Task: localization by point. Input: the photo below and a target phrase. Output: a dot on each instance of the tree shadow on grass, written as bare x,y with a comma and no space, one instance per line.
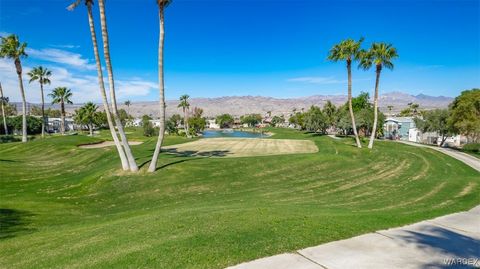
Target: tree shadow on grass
196,153
189,154
8,161
14,223
459,247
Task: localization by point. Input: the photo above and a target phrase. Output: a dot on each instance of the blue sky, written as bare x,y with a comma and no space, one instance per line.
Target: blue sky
233,47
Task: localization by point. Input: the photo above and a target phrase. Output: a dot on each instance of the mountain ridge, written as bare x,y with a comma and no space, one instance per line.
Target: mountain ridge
241,105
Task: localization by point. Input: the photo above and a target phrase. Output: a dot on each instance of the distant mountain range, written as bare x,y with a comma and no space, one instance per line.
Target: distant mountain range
240,105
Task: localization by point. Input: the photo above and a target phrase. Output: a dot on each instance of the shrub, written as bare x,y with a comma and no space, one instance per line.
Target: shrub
473,147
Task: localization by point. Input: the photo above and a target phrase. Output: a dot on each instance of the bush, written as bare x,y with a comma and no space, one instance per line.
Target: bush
34,125
472,147
8,138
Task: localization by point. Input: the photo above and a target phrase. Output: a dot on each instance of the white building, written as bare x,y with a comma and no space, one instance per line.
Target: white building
137,122
53,124
211,124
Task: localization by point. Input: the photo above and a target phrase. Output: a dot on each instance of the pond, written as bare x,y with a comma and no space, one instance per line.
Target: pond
231,133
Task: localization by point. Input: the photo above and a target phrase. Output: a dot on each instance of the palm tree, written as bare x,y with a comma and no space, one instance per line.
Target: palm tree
111,84
380,55
87,115
12,48
390,107
106,107
42,76
3,101
61,95
162,4
348,50
185,105
128,103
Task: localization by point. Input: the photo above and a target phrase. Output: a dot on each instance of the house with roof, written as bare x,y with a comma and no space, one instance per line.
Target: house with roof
398,128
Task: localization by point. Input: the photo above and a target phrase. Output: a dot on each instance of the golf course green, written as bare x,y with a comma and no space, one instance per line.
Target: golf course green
62,206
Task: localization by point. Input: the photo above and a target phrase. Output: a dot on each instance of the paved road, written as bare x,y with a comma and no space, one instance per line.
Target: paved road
451,241
467,159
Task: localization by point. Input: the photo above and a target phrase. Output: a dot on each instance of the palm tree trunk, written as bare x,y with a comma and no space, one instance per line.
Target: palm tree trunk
43,111
3,111
161,133
62,123
18,66
111,126
350,107
106,52
375,108
90,129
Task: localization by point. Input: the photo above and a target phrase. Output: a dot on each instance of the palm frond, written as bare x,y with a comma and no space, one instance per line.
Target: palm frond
72,6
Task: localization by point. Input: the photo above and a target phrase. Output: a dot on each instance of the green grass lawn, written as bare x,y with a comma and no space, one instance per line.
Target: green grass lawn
66,207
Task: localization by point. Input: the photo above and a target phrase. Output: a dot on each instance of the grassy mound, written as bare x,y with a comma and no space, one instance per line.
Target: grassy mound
66,207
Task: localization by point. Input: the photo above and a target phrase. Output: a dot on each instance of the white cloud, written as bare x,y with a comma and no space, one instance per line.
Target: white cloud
4,34
84,86
62,57
66,46
317,80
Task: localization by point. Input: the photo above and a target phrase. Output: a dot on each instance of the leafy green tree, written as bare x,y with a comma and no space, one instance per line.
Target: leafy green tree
315,120
435,121
34,124
411,110
87,115
465,114
298,120
330,113
225,120
362,101
11,48
124,116
197,122
53,113
42,75
61,95
381,55
348,50
100,119
111,126
162,4
251,119
148,129
277,120
171,126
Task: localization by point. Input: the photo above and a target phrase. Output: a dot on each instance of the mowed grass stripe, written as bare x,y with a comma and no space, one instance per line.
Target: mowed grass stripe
200,212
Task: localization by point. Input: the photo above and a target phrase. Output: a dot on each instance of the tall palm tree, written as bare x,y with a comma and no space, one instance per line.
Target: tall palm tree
162,4
12,48
106,107
61,95
185,105
381,55
41,75
3,101
111,84
128,103
348,50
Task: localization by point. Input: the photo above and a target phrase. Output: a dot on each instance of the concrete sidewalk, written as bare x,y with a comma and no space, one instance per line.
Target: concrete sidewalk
451,241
